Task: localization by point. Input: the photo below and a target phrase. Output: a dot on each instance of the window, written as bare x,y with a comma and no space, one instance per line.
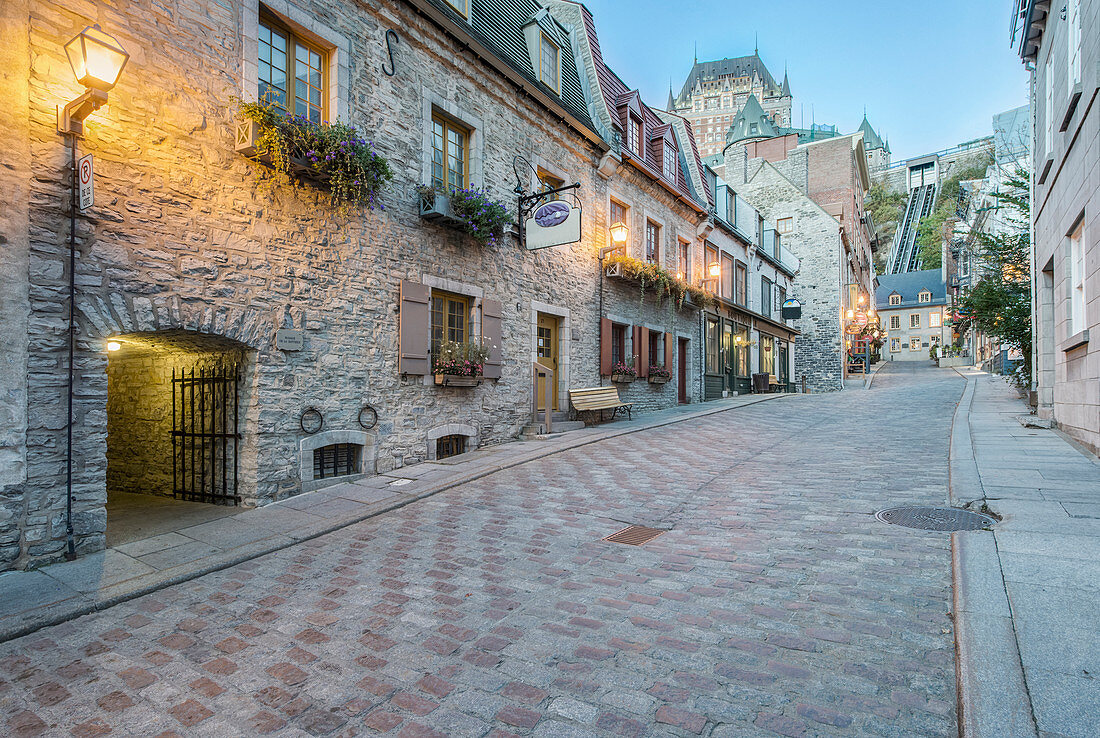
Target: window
731,207
1073,29
634,135
618,343
741,285
712,345
548,181
767,354
684,267
548,63
895,322
462,6
781,299
914,343
448,446
712,103
1049,109
895,344
450,319
914,320
765,297
670,162
935,340
935,319
727,276
652,242
618,213
336,460
1077,280
741,351
286,58
924,296
784,225
450,154
656,349
754,128
895,299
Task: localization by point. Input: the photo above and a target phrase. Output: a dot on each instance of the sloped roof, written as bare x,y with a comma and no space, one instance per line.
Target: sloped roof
785,88
871,140
741,66
741,128
909,285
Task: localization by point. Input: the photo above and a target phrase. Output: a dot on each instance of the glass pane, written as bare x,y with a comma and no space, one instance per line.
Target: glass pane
301,53
300,88
278,57
315,77
315,60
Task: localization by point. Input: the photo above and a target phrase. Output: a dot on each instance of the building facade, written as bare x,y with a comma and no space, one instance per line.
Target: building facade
913,309
1063,49
266,341
715,92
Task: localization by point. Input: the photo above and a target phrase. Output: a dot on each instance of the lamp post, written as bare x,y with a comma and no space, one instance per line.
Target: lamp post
97,60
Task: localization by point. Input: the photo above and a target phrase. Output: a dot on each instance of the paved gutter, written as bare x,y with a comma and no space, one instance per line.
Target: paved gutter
406,485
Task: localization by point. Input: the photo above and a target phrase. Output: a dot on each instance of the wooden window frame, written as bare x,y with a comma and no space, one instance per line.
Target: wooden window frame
555,84
618,341
669,162
741,269
656,348
462,7
935,320
448,123
895,299
924,296
445,315
684,259
789,221
635,135
293,40
653,228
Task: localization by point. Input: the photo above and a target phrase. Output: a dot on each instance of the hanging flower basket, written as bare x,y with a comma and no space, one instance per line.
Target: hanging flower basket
470,210
659,374
457,380
623,373
459,364
330,156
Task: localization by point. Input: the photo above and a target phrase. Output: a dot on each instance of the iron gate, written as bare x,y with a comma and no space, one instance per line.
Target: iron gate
205,438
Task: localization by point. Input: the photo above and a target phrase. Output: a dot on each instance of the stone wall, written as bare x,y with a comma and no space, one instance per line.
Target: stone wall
188,235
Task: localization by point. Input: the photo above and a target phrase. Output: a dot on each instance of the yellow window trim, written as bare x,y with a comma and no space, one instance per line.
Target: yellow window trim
461,6
447,298
294,37
448,122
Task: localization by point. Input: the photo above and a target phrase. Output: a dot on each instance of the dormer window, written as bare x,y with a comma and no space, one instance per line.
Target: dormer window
462,6
549,70
924,296
634,135
895,299
670,162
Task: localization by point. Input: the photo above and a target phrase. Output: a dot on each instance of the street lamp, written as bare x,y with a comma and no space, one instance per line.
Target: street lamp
97,59
619,232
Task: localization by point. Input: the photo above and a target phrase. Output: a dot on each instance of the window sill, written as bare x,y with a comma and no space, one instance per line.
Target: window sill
1075,341
1074,98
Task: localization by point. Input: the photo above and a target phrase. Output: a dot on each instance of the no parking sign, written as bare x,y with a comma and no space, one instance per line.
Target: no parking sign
84,176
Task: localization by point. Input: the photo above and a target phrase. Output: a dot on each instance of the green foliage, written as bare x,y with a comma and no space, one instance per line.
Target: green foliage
356,172
484,217
885,207
1000,303
460,359
660,280
938,226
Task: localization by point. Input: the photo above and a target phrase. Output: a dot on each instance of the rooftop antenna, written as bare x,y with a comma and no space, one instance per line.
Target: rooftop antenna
696,52
756,43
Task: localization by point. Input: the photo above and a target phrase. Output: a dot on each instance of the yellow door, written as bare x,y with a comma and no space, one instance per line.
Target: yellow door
546,351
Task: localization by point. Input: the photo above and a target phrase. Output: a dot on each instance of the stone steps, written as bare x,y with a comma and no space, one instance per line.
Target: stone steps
535,430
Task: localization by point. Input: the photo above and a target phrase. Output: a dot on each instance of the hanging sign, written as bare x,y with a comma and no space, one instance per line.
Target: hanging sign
792,309
861,318
552,224
85,185
851,329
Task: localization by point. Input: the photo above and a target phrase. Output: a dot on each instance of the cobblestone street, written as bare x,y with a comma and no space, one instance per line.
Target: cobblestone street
774,605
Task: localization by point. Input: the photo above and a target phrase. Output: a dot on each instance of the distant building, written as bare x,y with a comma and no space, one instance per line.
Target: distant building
1061,45
878,150
715,92
912,307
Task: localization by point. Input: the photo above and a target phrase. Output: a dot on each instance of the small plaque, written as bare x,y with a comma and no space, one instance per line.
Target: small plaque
289,340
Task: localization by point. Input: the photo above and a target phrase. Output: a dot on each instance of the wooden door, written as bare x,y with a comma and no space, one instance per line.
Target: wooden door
546,353
682,372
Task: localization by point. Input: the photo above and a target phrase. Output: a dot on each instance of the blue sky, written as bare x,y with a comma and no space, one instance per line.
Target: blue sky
931,74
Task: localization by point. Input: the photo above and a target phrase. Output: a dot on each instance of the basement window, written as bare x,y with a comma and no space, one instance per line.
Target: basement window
448,446
336,460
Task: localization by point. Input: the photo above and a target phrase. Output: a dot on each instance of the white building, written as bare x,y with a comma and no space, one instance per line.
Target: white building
912,307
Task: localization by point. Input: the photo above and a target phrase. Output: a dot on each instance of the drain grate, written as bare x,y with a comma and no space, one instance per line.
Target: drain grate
935,518
635,535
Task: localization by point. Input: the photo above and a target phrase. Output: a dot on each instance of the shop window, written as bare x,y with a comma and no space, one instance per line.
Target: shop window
291,71
712,346
448,446
336,460
767,355
450,154
914,343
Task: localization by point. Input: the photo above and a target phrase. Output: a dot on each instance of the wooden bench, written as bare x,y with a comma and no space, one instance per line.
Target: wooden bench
856,366
598,398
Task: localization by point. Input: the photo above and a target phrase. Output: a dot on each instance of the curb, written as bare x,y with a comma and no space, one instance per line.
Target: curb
243,554
871,377
992,699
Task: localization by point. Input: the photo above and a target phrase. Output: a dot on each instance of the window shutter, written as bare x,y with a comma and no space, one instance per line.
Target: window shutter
641,349
491,315
670,349
605,347
414,326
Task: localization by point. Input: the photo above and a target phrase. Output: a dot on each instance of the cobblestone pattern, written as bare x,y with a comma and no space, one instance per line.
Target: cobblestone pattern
775,604
185,235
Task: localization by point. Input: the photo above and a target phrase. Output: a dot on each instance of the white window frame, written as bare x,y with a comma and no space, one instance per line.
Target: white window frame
1073,43
895,322
1077,296
1048,110
935,319
914,343
914,320
895,299
895,345
924,296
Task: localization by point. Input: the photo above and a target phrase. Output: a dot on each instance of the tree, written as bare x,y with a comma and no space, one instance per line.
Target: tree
937,227
1000,303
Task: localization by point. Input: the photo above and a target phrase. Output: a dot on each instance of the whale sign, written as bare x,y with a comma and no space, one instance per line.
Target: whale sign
552,224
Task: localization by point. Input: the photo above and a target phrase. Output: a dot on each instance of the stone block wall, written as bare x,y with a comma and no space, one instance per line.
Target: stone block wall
188,235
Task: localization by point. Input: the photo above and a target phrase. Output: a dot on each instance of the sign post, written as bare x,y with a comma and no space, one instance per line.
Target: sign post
85,182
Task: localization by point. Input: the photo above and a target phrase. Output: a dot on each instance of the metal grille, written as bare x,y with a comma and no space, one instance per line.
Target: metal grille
336,460
635,535
448,446
205,434
935,518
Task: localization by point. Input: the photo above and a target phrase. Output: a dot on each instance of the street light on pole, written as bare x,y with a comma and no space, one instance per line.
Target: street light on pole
97,59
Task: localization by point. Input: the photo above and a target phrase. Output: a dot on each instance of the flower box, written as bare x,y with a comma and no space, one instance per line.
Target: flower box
658,380
438,207
247,135
457,380
614,269
622,378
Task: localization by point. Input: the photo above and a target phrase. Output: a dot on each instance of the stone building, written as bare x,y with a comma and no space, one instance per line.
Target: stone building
268,342
715,92
912,307
877,149
1063,51
814,194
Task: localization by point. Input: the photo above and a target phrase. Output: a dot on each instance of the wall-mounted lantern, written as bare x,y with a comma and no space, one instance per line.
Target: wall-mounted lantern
619,232
97,59
113,345
714,269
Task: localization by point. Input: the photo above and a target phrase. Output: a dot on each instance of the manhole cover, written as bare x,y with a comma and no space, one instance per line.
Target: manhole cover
935,518
635,535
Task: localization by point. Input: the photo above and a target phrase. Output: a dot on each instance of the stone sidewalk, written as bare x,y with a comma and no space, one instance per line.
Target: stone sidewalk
30,600
1027,593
